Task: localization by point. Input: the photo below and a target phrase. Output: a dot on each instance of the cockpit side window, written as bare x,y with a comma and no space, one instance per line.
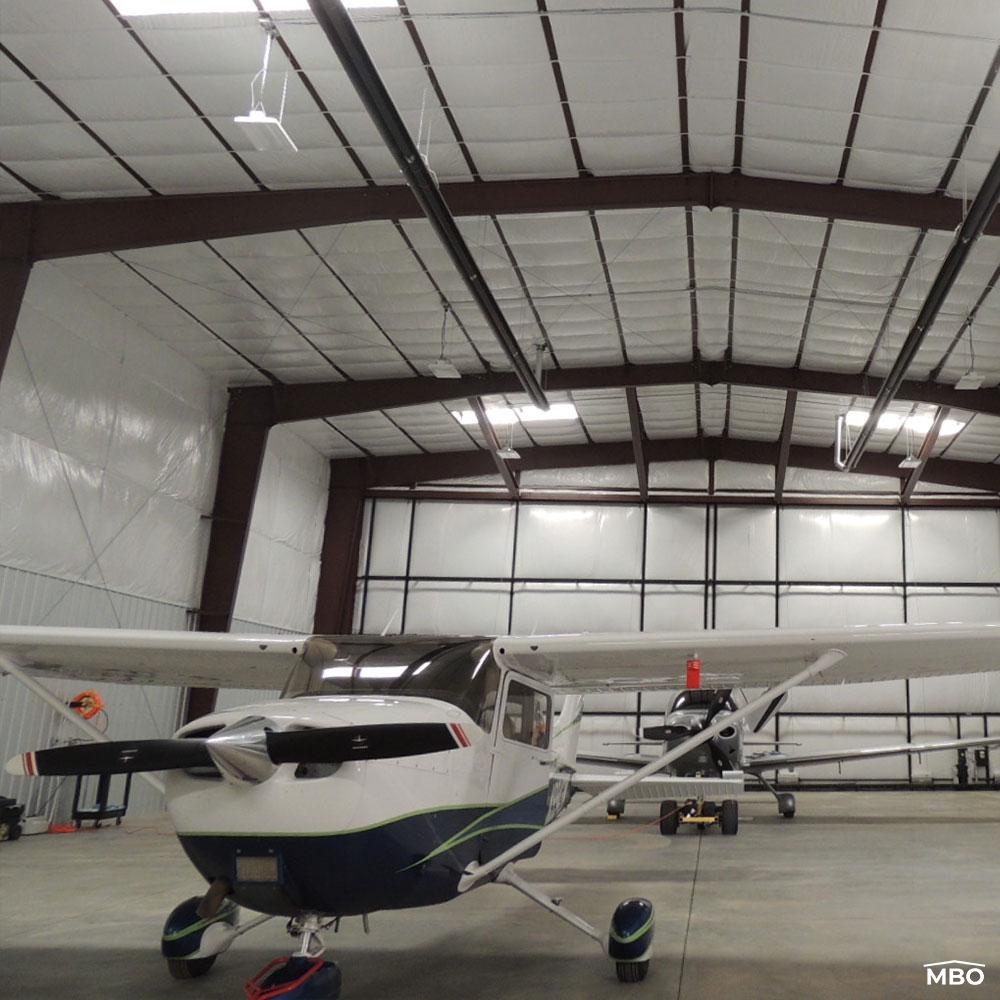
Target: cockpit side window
527,715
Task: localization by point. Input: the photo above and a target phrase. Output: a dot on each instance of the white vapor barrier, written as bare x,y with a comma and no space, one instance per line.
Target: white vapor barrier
383,607
575,607
390,537
599,478
281,564
675,543
456,539
745,543
438,607
815,607
850,545
133,710
953,545
749,606
674,607
576,541
691,475
580,568
108,448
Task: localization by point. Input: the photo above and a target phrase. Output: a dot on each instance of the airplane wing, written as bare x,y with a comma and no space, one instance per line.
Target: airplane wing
191,659
751,658
764,762
658,787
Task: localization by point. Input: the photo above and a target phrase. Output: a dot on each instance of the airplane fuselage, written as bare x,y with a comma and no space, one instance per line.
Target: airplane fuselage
364,835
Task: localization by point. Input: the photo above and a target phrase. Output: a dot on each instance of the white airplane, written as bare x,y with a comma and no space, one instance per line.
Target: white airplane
404,772
720,767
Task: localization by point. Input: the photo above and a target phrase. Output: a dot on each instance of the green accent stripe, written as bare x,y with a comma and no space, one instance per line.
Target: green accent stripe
471,835
198,925
633,937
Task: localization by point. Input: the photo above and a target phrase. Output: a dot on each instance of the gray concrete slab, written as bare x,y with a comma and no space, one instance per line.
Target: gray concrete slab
847,900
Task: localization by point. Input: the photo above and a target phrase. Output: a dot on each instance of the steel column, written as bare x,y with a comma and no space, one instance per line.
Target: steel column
240,461
338,567
15,269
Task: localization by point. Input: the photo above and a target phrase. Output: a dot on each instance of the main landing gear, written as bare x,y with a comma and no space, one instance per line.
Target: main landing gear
786,801
200,929
701,814
629,941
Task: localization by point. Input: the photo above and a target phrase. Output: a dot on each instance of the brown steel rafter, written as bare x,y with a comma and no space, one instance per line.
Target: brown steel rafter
407,470
315,400
67,228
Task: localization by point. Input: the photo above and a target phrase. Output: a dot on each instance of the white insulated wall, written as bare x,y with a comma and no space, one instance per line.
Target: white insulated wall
108,454
494,566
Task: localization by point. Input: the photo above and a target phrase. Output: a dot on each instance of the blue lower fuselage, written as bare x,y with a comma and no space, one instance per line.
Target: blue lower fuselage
414,860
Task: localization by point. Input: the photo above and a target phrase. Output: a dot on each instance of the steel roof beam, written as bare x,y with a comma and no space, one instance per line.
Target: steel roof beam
493,445
923,456
406,470
785,443
343,37
77,226
313,400
638,440
980,212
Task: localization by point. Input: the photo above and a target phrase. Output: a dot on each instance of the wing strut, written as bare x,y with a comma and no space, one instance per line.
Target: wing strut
474,873
7,665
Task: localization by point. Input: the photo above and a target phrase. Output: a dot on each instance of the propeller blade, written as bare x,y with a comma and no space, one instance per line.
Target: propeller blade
332,746
117,757
718,704
663,733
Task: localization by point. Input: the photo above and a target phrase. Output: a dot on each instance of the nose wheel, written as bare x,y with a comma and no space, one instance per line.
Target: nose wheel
302,976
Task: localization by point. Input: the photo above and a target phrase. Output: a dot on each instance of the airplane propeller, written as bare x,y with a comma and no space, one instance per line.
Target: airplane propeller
332,745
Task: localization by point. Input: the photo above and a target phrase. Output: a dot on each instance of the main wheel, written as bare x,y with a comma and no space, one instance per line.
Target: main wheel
190,968
631,972
786,805
670,817
729,821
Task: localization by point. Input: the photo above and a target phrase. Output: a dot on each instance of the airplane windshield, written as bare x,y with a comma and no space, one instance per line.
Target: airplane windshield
462,673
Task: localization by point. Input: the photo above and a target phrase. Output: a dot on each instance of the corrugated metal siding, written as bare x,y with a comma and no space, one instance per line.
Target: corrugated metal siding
133,711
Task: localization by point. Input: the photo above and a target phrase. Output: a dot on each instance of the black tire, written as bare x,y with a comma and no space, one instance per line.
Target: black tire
14,833
670,817
631,972
786,805
616,808
190,968
710,809
729,820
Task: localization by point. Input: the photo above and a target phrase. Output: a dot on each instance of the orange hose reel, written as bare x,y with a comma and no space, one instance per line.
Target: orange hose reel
88,704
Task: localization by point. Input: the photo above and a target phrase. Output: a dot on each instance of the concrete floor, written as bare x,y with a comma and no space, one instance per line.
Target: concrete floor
847,900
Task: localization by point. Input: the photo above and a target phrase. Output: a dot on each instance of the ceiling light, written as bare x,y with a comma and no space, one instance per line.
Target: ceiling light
919,423
140,8
502,415
443,368
266,133
970,380
910,462
508,454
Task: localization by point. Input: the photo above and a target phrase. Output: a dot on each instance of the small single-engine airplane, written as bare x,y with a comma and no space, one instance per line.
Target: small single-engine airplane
721,766
403,772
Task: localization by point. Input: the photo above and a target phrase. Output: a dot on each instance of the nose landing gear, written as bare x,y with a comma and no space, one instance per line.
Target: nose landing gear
304,975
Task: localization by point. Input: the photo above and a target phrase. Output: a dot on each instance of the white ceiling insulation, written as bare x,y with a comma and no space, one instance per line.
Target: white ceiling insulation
98,105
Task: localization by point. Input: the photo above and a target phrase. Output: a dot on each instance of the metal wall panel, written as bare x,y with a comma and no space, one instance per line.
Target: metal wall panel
25,723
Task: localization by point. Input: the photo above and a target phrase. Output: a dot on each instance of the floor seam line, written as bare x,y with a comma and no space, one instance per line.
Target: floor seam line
687,929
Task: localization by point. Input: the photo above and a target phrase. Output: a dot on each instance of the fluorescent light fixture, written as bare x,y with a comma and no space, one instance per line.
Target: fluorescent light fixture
503,415
443,368
266,133
919,423
508,454
141,8
970,380
910,462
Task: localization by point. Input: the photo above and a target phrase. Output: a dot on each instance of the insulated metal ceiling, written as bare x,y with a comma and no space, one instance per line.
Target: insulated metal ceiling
867,93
